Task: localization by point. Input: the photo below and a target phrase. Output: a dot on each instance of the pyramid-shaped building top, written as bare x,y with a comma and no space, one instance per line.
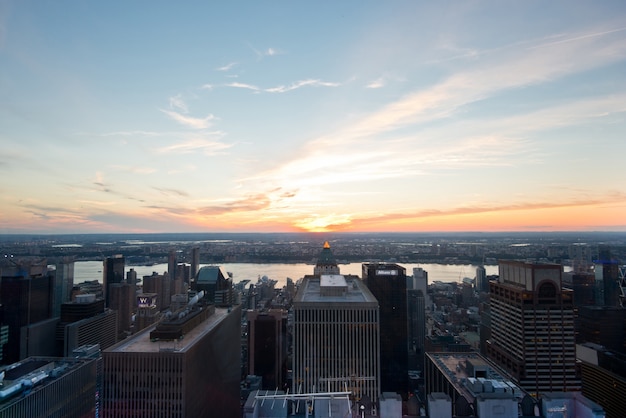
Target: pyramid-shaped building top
326,262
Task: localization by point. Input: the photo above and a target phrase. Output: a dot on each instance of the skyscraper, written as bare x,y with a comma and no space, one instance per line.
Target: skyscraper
267,347
187,366
27,296
171,264
532,327
607,278
195,261
387,282
482,283
63,283
336,336
217,288
112,273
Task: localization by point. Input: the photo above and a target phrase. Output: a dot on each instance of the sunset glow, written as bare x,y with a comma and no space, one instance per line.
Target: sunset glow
120,117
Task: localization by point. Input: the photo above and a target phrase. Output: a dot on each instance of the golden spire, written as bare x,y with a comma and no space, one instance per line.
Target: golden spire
326,244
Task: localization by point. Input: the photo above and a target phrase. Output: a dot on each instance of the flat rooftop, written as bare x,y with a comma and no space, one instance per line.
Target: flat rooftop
141,343
310,290
447,363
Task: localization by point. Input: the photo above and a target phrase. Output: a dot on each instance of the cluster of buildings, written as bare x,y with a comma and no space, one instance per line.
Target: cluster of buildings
191,343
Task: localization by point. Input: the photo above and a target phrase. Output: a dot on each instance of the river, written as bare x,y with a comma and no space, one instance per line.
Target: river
92,270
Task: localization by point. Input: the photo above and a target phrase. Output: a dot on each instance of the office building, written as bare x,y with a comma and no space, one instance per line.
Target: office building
49,387
416,306
122,299
603,375
195,262
475,387
532,327
147,312
27,298
336,337
85,321
63,283
185,366
387,282
171,264
602,325
159,284
113,272
267,347
217,288
606,268
482,283
100,329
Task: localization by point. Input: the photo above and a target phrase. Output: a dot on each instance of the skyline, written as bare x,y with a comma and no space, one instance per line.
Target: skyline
287,117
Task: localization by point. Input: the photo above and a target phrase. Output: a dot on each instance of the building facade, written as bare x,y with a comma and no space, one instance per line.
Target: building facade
532,327
336,337
388,284
267,347
56,388
188,366
113,272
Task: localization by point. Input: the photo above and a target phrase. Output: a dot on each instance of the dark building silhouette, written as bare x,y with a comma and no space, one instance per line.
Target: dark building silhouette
267,347
387,282
607,291
171,264
113,272
195,262
482,282
122,300
63,283
217,288
603,374
416,306
532,327
602,325
27,296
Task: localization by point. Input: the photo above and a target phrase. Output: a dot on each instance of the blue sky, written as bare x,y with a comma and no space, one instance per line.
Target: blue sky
285,116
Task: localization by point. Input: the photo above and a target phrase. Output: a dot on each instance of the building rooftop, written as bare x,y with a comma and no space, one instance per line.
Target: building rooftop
34,372
472,375
310,290
141,343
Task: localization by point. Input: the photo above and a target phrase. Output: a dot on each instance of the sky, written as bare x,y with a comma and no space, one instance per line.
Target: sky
276,116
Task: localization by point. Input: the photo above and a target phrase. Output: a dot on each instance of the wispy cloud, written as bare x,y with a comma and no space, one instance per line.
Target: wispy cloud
243,86
227,67
177,103
188,121
135,133
300,84
206,146
376,84
268,52
285,88
400,139
171,192
374,221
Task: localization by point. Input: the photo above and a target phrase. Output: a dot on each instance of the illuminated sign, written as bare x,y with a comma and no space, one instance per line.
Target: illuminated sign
146,301
386,272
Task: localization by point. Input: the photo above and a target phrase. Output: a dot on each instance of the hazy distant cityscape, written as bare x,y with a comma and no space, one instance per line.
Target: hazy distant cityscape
335,325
